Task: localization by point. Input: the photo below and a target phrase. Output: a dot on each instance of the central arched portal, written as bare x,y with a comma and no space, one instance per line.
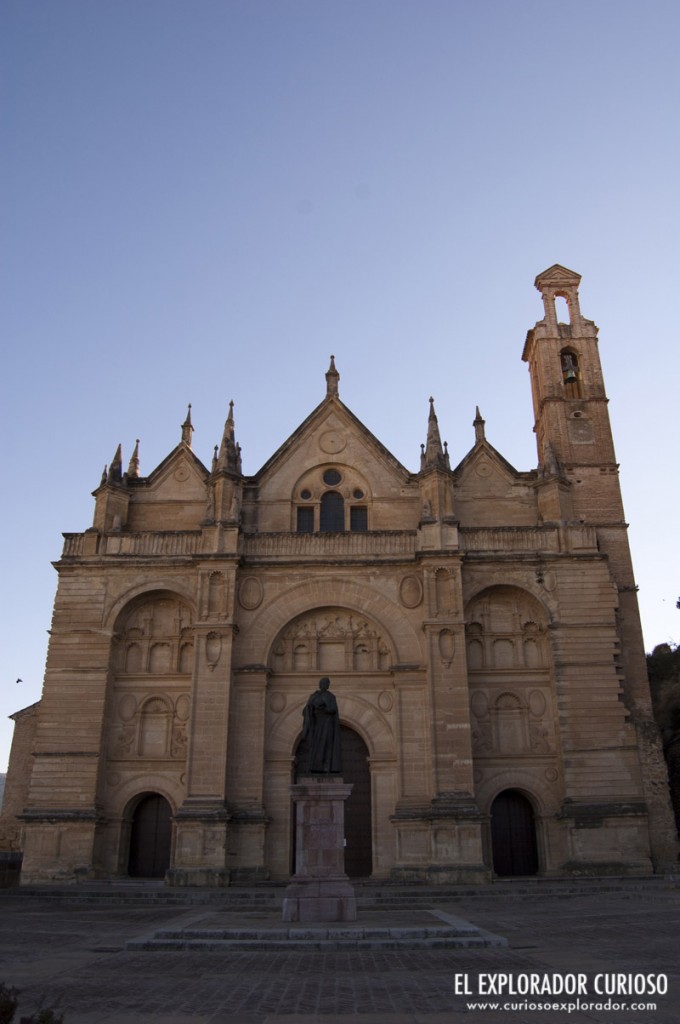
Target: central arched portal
358,816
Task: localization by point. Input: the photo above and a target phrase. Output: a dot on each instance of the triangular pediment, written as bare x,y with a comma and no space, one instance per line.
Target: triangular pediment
557,276
486,464
332,435
180,476
489,491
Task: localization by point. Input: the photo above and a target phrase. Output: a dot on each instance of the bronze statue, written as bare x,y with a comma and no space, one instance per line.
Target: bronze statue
321,731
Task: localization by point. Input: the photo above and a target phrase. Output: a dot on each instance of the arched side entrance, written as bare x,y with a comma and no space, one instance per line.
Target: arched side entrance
150,837
358,815
513,835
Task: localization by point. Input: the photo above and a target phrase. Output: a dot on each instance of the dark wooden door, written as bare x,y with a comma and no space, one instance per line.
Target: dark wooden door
513,835
358,815
358,830
150,838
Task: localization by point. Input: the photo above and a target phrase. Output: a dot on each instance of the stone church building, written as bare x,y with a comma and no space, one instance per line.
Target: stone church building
479,625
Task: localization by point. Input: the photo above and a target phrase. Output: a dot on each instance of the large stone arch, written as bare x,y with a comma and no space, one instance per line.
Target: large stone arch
147,589
335,592
283,730
521,586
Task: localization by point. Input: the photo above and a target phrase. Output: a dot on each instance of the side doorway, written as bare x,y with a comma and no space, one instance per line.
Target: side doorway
513,835
150,837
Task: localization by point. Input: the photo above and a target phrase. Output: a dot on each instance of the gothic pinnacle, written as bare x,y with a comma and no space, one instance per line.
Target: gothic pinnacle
187,429
434,452
229,457
115,474
133,468
478,424
332,378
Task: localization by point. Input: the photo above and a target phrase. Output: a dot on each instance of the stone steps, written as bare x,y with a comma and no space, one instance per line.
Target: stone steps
345,937
369,895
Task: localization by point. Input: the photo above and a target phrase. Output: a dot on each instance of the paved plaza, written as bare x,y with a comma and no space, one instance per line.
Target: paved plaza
72,952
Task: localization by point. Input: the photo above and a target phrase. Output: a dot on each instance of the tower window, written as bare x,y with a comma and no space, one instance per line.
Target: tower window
332,518
305,520
358,519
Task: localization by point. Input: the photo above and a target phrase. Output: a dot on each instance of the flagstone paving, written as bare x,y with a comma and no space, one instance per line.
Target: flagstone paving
74,956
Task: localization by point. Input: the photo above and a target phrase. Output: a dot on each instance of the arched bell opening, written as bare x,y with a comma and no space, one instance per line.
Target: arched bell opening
571,373
358,808
513,835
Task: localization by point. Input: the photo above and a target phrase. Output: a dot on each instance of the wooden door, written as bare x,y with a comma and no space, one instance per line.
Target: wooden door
358,828
513,835
150,838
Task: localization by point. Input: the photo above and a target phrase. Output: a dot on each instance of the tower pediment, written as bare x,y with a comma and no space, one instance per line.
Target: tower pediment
557,276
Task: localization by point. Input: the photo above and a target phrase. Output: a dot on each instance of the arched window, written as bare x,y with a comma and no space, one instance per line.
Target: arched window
332,518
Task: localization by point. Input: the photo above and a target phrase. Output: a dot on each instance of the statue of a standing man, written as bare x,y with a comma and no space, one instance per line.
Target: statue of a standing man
321,731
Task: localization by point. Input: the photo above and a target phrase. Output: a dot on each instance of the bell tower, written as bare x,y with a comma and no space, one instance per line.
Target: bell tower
576,455
570,404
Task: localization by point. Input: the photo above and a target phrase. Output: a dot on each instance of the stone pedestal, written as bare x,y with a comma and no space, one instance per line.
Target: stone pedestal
319,890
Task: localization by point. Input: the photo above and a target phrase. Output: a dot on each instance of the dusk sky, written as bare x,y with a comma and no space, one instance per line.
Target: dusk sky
201,200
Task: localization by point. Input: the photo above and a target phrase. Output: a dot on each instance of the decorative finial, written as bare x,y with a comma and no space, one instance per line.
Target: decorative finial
229,457
332,378
133,468
187,428
478,424
434,452
116,468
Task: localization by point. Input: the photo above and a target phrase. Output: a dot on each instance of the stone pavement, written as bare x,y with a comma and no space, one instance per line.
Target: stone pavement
71,952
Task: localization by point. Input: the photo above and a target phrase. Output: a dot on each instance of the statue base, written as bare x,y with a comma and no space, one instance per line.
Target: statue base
319,890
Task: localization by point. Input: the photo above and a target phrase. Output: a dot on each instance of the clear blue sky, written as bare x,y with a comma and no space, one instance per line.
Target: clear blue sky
201,200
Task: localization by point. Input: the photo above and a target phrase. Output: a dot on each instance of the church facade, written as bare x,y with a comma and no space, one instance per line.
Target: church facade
479,626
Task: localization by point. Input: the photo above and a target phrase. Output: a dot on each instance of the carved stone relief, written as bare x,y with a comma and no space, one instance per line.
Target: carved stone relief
154,638
330,640
506,723
150,727
506,630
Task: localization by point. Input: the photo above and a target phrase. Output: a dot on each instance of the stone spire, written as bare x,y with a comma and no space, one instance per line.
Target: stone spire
434,452
229,457
115,474
478,424
332,378
133,468
187,429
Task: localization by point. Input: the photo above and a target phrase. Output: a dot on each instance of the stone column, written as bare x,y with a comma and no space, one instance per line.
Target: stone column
319,890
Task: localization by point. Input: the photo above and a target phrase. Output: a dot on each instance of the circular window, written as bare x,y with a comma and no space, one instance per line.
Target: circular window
357,493
305,495
332,477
